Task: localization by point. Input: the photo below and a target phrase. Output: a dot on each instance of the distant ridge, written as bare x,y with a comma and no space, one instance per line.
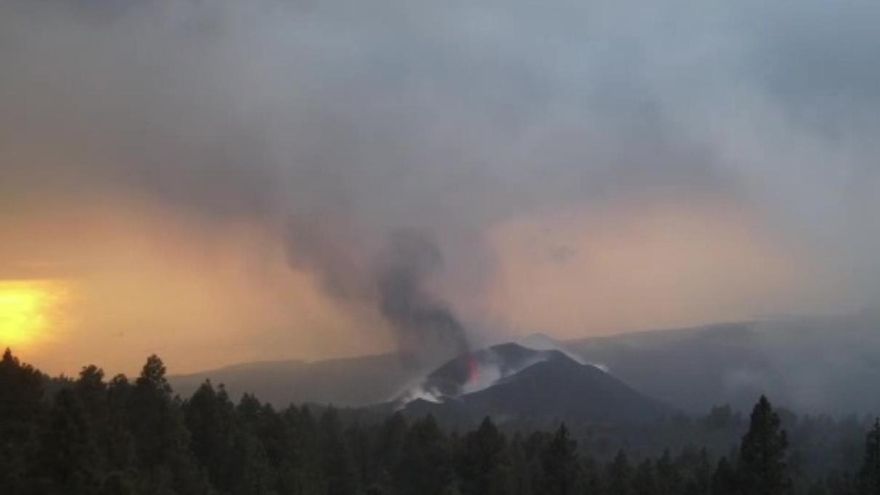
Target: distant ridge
807,364
352,381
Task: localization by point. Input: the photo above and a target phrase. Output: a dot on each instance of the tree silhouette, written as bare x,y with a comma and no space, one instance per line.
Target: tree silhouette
762,466
724,479
620,475
68,461
21,408
160,435
337,463
210,419
483,463
559,461
869,475
91,437
426,464
644,481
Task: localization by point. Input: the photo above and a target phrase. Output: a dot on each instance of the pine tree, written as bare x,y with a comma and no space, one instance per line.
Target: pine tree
160,435
120,447
426,463
210,419
559,462
869,475
724,479
302,472
700,481
592,477
520,467
337,464
21,408
274,435
762,466
91,392
250,469
483,463
68,460
644,482
669,479
391,440
619,475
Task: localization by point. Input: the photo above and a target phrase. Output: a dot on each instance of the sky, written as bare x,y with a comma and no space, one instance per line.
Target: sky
221,182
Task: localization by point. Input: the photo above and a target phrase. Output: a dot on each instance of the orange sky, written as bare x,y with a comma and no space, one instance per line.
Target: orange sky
214,181
141,279
646,266
123,282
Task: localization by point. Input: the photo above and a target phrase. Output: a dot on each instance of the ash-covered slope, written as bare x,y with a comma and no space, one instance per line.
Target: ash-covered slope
543,386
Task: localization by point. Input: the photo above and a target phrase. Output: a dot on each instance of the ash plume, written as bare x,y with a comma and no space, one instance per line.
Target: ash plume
637,177
422,324
395,282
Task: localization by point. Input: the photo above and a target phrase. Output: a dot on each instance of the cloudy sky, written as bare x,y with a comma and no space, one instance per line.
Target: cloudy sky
217,181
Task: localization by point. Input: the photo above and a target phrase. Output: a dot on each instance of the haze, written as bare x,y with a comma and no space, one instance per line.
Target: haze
217,182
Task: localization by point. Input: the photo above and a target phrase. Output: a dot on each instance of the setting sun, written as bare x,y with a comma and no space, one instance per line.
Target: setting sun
25,309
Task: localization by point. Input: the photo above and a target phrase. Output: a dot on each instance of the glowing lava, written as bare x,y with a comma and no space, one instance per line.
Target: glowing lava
473,370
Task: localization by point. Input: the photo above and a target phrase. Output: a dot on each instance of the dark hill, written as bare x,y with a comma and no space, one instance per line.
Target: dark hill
556,388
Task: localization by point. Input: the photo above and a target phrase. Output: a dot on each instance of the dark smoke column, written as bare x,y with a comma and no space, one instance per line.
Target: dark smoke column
424,327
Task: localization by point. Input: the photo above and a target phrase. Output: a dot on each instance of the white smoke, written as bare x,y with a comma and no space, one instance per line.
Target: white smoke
543,342
486,368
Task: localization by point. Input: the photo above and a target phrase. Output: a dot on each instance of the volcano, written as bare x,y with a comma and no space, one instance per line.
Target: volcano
515,383
474,371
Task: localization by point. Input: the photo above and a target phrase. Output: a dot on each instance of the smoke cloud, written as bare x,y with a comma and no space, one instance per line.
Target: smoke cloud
395,281
424,327
581,168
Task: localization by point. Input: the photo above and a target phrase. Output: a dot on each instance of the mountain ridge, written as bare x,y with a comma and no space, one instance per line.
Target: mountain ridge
802,362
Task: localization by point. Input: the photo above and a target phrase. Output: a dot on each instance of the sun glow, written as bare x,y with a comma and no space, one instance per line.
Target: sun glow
25,311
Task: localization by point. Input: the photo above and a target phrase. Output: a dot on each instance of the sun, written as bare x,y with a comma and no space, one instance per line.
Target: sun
25,311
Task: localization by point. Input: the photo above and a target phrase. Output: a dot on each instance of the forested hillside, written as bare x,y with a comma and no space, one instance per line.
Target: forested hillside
94,436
